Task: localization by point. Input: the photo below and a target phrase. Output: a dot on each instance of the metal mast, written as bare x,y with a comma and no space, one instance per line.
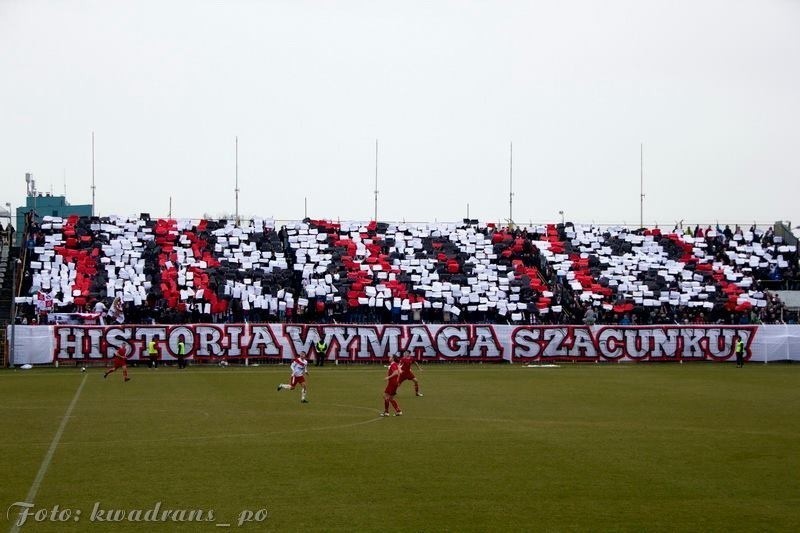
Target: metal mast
511,185
93,186
236,189
376,181
641,185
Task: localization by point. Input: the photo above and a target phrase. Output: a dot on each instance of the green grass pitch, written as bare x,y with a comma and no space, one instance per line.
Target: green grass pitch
699,447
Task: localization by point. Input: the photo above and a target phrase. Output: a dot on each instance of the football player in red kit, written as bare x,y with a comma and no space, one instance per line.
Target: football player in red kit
120,361
393,380
405,371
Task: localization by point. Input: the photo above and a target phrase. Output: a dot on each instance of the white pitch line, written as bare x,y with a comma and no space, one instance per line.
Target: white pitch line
48,457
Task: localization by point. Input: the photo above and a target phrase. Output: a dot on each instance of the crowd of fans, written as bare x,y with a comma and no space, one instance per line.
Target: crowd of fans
319,271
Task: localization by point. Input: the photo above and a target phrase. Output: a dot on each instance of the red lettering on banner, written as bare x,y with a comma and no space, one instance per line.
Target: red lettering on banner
453,341
525,343
303,338
344,339
176,334
149,334
636,343
420,342
485,344
377,342
262,342
611,343
583,344
665,343
555,338
209,339
116,337
234,334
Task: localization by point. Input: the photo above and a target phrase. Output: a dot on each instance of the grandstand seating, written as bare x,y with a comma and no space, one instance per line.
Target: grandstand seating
179,270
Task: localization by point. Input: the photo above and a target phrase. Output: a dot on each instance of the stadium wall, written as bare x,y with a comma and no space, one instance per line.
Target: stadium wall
368,343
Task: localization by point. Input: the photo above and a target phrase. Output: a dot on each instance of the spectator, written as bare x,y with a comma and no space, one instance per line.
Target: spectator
589,317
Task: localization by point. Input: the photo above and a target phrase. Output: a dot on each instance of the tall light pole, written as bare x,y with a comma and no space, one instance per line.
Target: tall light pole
16,264
641,185
511,185
93,187
376,181
236,190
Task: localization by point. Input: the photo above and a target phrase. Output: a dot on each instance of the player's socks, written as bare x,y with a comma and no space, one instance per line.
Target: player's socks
416,388
385,406
394,404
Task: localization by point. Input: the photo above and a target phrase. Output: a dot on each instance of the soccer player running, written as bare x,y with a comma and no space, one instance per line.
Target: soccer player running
405,371
299,370
120,361
393,379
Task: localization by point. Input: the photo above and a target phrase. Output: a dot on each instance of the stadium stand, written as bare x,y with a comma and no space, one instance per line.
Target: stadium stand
176,271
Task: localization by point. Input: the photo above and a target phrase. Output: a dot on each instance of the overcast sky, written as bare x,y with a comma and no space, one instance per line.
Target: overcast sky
712,89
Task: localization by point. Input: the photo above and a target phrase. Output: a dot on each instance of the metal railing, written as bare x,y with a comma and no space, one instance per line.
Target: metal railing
19,271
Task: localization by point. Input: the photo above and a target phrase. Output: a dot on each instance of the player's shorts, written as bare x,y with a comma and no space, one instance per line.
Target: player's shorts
119,362
391,389
297,380
407,376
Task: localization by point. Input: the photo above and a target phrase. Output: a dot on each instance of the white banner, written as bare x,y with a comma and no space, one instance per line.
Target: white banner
459,342
74,318
32,345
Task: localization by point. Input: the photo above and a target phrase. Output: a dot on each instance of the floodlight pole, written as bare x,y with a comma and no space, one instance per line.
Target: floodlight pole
511,185
33,193
641,185
93,186
376,181
236,189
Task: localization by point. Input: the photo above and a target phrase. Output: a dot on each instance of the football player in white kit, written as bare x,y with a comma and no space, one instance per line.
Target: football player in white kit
299,371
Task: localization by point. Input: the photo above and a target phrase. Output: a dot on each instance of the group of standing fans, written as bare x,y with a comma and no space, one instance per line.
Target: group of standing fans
512,250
